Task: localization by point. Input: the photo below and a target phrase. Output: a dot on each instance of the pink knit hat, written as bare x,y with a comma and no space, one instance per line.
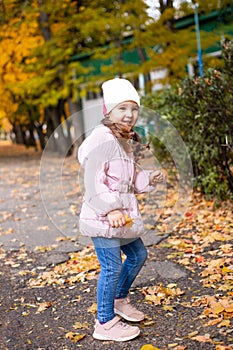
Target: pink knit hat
118,90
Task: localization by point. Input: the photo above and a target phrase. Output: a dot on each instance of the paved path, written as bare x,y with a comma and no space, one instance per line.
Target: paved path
39,203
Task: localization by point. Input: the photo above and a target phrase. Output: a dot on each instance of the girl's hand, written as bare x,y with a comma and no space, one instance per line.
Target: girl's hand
116,218
155,177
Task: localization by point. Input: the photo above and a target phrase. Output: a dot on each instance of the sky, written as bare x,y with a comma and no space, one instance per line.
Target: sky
153,12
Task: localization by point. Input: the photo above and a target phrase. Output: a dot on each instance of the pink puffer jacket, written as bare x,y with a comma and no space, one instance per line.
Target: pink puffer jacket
111,180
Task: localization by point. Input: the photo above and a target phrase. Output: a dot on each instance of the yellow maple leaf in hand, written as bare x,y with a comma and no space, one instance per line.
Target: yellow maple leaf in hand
128,221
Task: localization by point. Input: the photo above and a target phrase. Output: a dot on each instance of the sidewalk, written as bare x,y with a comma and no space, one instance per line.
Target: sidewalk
35,236
39,204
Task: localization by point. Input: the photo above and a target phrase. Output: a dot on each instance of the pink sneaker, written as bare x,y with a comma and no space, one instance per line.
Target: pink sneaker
115,330
123,308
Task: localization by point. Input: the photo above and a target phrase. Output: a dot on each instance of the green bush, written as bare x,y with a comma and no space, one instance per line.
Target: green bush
201,109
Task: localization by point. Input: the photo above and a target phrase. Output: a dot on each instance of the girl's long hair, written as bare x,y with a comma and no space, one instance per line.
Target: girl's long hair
124,134
120,130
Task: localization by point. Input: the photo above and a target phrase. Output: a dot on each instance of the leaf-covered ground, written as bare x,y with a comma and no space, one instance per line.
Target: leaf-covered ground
50,307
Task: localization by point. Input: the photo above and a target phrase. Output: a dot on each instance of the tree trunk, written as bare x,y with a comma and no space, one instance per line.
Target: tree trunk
50,141
76,113
19,134
57,141
167,5
41,135
163,5
44,23
30,140
147,79
3,11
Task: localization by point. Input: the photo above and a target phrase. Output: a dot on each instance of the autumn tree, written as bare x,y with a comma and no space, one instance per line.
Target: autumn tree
155,40
17,42
57,85
46,45
112,30
67,29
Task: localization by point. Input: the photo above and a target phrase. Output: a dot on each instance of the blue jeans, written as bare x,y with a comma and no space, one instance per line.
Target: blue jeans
115,278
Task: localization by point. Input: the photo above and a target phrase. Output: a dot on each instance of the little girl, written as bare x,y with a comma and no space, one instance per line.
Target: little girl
110,214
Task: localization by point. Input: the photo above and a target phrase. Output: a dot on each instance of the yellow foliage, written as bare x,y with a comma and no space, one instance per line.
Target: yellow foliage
18,40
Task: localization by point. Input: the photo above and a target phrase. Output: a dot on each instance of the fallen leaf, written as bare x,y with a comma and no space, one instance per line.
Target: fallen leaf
160,295
80,325
43,249
74,337
148,347
92,308
202,338
217,309
61,239
43,228
190,335
172,345
224,323
168,307
213,322
43,306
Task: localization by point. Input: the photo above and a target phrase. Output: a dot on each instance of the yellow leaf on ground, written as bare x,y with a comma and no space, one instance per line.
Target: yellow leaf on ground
168,307
79,325
43,249
229,308
224,323
172,345
92,308
190,335
69,335
74,337
149,347
226,270
217,308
